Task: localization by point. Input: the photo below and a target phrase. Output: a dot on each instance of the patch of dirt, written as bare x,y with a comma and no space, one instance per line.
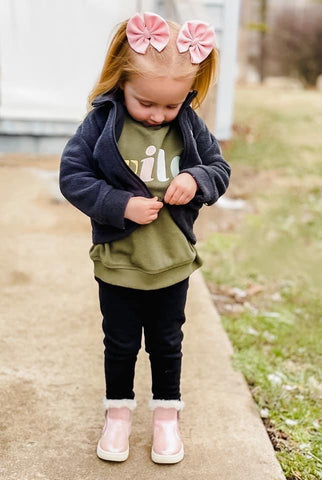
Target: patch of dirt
233,301
280,440
246,183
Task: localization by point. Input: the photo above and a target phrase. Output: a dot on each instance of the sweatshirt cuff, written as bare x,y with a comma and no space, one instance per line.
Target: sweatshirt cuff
114,207
202,179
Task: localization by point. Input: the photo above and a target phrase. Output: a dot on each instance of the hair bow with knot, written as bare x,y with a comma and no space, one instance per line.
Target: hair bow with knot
145,29
197,37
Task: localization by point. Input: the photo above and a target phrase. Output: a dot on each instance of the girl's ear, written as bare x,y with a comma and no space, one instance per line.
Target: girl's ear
122,84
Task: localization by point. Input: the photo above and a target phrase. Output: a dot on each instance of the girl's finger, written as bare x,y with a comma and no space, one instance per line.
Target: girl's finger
174,196
156,206
151,218
177,195
182,199
168,194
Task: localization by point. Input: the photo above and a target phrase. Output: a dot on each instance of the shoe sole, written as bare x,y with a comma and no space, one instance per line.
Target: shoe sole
158,458
112,456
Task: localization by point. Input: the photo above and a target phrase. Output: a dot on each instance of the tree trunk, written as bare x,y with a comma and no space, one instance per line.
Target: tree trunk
262,39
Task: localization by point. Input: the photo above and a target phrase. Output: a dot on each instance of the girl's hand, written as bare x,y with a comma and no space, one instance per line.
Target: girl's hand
142,210
181,190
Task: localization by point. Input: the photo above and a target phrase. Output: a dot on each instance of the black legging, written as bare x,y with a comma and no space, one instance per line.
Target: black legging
160,313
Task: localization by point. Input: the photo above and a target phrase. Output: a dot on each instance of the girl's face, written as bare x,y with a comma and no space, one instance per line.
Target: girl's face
153,101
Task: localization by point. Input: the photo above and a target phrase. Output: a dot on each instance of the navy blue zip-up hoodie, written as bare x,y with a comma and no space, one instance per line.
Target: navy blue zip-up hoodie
96,180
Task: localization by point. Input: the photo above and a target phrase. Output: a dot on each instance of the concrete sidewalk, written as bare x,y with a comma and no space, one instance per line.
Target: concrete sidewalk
51,370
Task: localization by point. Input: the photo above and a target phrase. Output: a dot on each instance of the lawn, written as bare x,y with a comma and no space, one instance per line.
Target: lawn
264,266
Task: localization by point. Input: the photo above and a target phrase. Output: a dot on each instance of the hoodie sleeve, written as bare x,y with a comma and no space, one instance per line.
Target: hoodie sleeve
213,173
79,179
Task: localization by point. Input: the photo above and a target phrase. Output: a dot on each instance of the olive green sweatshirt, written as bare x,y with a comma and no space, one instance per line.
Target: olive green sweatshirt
158,254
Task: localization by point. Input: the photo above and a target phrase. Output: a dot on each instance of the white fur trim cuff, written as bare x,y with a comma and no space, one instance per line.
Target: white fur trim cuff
124,402
177,404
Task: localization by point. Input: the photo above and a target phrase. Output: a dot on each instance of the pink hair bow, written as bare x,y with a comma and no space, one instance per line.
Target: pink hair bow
147,28
197,37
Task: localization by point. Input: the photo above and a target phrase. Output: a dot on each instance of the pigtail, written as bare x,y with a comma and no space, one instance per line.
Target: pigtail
207,76
113,71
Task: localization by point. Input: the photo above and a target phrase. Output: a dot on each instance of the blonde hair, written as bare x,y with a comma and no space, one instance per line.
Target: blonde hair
121,62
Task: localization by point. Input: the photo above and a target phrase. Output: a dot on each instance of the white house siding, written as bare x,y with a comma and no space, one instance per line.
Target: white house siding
224,15
228,40
51,53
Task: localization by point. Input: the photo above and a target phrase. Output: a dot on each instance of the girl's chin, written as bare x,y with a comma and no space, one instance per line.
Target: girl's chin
147,124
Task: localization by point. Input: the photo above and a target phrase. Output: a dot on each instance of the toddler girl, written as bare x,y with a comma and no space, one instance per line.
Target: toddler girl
141,165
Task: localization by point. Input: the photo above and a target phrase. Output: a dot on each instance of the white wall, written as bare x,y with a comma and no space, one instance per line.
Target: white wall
224,15
51,54
228,42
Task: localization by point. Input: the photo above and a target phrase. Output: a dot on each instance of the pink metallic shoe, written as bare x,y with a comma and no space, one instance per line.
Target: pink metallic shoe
114,442
167,445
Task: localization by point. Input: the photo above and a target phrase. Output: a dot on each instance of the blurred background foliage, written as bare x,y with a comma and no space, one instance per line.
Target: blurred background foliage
283,38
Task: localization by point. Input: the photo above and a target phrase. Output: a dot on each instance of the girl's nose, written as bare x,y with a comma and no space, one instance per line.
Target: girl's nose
157,116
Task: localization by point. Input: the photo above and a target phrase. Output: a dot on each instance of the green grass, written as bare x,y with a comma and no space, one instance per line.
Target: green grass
280,130
277,332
